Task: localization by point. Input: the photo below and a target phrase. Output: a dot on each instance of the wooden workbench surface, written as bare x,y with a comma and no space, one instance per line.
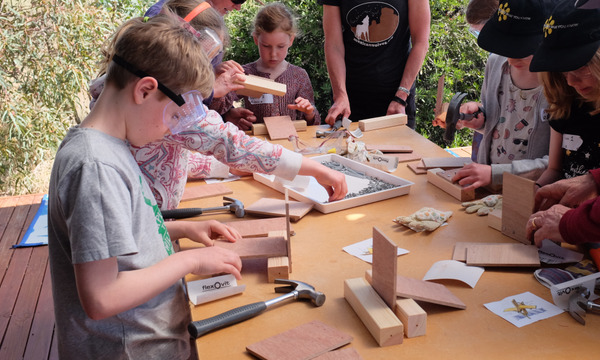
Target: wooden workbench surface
319,260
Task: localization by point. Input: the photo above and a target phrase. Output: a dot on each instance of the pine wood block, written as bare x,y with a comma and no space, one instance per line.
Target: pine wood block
382,122
276,207
390,148
303,342
279,127
340,354
261,129
258,227
502,255
260,85
495,219
282,266
202,191
453,189
413,317
518,201
385,264
377,317
252,248
431,292
417,167
445,162
278,268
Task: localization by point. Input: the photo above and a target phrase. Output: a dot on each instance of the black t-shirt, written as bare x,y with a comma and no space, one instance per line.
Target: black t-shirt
581,141
376,41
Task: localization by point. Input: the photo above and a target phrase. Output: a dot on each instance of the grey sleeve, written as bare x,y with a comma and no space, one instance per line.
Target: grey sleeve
528,168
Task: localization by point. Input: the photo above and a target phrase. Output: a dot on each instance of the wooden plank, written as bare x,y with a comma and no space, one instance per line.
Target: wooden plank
377,317
495,219
382,122
261,85
385,263
417,167
42,328
427,291
404,157
280,127
341,354
252,248
261,129
502,255
201,191
453,189
258,227
413,317
460,250
518,201
276,207
303,342
390,148
445,162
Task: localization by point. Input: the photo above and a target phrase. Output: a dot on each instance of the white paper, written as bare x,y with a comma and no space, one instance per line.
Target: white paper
218,287
561,292
455,270
230,177
364,250
543,309
552,253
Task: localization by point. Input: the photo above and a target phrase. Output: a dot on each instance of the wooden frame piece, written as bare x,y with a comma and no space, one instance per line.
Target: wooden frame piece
257,85
280,127
502,255
252,248
377,317
453,189
427,291
445,162
261,129
202,191
258,227
417,167
385,267
382,122
340,354
413,317
390,148
276,207
495,219
518,201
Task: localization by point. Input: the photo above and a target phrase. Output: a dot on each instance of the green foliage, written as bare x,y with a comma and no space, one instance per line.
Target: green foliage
48,53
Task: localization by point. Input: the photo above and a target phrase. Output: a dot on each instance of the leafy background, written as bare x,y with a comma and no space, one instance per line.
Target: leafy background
49,51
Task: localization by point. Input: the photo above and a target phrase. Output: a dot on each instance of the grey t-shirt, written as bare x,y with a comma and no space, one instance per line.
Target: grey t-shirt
100,207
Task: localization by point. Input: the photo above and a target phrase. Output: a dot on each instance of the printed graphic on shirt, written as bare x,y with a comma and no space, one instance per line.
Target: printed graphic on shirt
162,228
373,23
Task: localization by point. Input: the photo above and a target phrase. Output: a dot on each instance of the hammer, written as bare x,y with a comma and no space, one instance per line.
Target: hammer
579,304
453,115
231,204
295,290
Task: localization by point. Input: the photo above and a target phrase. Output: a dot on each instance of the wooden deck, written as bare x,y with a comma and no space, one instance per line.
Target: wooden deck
26,306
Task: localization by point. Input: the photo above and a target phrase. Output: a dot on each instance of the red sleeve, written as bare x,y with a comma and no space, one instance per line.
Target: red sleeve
582,224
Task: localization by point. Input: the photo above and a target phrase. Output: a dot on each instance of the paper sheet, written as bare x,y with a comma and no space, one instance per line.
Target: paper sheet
364,250
455,270
506,309
552,253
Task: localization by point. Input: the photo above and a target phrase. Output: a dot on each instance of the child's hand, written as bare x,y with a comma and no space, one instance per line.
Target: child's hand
333,181
302,104
470,108
475,175
240,117
205,232
229,65
214,260
227,82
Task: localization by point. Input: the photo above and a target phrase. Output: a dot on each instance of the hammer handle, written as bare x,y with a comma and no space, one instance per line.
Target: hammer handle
234,316
181,213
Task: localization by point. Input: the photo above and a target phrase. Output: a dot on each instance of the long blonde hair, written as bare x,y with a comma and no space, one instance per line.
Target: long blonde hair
275,16
561,96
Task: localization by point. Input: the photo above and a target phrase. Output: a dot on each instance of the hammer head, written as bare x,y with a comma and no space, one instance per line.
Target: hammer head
577,300
235,206
303,290
452,116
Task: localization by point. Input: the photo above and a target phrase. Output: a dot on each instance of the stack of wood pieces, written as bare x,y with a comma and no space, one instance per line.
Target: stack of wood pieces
496,254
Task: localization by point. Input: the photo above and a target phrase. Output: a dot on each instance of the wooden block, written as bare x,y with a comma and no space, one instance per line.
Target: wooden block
427,291
202,191
279,127
378,318
276,207
341,354
261,85
495,219
390,148
453,189
446,162
417,168
261,129
252,248
278,268
382,122
385,263
258,227
303,342
502,255
518,201
413,317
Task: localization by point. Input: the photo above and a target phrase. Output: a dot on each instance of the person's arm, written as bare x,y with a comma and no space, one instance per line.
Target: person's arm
333,181
203,232
553,172
569,192
582,224
419,19
336,66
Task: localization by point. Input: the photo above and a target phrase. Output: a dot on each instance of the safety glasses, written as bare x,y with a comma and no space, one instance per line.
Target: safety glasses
182,112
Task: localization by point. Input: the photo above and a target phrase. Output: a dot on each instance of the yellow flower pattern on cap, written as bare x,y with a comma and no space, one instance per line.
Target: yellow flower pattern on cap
548,26
503,11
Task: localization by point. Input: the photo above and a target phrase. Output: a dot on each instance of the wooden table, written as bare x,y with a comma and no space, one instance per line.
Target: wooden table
319,260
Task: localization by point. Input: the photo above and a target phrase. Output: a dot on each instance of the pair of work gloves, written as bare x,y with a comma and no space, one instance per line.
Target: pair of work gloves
425,219
483,206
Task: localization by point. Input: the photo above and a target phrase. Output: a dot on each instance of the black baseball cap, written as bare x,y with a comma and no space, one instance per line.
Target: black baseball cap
515,30
571,38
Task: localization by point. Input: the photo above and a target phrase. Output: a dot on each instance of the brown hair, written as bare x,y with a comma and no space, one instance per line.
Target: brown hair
209,18
561,96
274,16
479,11
163,49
